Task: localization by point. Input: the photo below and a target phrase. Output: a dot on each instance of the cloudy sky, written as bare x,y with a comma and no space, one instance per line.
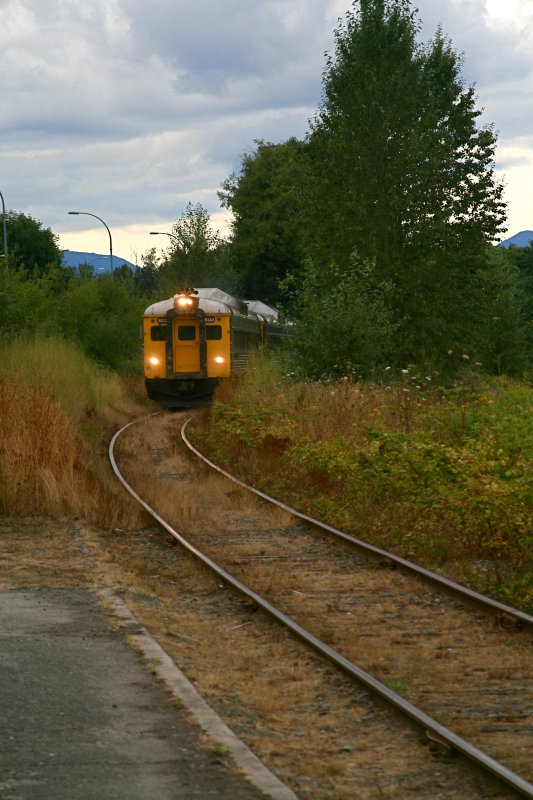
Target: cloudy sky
129,109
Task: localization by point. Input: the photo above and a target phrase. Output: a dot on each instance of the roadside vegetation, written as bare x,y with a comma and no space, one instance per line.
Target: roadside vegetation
56,413
441,476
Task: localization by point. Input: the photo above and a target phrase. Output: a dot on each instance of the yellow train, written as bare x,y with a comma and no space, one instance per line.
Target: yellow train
198,337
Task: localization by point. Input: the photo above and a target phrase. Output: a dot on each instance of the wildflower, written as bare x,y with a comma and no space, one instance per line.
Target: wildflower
387,369
465,357
405,372
428,377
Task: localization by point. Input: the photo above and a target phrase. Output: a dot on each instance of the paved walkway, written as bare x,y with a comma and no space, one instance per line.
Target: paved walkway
83,717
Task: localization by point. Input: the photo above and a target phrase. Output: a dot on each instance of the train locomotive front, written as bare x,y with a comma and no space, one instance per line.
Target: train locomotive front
195,339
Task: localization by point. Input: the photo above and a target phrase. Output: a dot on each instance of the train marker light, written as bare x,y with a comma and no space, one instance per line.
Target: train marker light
219,360
154,361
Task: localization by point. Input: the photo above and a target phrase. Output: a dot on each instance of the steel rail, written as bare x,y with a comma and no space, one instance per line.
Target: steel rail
432,729
521,619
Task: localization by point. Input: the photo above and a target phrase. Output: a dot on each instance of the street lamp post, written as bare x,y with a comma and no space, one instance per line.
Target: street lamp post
164,233
88,214
4,226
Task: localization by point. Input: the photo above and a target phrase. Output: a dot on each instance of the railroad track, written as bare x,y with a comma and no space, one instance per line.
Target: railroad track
406,641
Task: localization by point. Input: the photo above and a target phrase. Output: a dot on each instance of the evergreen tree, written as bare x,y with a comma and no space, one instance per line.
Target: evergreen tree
522,259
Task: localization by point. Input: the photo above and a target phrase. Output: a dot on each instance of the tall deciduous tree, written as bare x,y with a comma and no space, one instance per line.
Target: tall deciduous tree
31,245
265,196
401,172
398,159
191,258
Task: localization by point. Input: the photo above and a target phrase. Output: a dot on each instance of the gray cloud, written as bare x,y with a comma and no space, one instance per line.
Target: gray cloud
131,109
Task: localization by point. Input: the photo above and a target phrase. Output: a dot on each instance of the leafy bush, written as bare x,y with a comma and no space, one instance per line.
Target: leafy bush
344,323
103,315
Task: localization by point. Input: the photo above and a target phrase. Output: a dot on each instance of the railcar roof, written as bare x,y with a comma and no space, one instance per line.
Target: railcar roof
215,301
267,313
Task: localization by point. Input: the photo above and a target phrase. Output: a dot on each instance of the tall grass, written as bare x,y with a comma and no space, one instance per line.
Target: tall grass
51,398
77,384
441,475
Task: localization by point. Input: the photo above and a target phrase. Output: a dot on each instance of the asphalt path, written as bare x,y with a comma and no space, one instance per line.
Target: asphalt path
92,709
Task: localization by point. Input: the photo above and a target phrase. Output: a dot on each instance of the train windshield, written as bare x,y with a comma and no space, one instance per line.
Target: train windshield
186,333
213,333
158,333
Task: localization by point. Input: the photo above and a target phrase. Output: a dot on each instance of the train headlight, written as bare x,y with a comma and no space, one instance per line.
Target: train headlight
154,361
219,360
184,301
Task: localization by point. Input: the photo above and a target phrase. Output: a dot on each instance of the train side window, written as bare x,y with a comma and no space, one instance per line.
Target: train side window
158,333
213,332
186,333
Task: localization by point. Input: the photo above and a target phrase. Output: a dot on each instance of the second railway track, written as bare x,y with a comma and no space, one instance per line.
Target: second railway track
462,670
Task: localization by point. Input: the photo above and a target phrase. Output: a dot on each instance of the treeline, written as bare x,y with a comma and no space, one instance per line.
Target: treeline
41,297
375,233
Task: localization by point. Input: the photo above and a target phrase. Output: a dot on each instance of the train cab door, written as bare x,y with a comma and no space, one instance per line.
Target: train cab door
186,345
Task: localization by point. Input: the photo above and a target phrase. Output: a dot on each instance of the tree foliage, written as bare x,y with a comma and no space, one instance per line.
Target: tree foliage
522,259
398,166
196,254
101,314
265,198
345,326
397,173
30,244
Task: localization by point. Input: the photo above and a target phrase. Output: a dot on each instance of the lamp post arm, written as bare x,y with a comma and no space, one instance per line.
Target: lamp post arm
88,214
165,233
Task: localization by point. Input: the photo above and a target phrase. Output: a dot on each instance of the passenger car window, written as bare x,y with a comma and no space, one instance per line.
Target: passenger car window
158,333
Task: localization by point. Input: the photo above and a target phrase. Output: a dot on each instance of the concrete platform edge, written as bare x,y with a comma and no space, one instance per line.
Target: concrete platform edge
256,772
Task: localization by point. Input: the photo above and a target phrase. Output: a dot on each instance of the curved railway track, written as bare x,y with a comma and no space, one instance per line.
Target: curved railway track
246,555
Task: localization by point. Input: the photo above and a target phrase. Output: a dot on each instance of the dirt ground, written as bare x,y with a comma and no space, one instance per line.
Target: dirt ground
325,738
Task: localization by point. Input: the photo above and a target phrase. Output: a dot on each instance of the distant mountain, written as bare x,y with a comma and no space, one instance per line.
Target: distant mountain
521,239
100,263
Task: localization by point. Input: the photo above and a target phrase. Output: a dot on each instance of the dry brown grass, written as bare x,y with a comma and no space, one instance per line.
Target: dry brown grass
55,420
